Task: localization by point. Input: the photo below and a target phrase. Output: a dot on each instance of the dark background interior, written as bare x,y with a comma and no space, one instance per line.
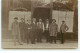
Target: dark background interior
42,13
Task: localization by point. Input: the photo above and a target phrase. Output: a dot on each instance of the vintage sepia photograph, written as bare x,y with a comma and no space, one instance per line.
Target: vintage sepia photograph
39,24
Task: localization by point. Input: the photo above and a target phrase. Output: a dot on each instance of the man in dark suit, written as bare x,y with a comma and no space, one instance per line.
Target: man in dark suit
22,29
40,30
47,30
27,31
33,30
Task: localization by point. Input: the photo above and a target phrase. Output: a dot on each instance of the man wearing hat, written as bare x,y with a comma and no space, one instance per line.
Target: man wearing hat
47,30
22,29
33,31
27,31
53,30
40,26
16,31
63,29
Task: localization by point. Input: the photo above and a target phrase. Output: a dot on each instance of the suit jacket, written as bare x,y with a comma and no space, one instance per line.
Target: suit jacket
33,27
40,25
47,26
63,28
22,26
27,27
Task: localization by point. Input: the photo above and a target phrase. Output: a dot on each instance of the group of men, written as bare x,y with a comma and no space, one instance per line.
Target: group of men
32,32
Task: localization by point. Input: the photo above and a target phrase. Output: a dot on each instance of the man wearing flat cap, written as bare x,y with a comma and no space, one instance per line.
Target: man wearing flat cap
47,30
63,29
40,26
22,29
27,31
33,31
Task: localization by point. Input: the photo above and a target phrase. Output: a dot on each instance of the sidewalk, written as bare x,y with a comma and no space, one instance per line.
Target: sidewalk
8,43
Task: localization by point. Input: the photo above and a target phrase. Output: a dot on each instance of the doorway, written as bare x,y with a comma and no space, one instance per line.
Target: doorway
42,13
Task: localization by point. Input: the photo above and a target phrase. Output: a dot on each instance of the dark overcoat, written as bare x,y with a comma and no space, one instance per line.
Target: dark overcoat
53,29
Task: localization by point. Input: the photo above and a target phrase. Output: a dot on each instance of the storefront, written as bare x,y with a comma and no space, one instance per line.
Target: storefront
38,9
